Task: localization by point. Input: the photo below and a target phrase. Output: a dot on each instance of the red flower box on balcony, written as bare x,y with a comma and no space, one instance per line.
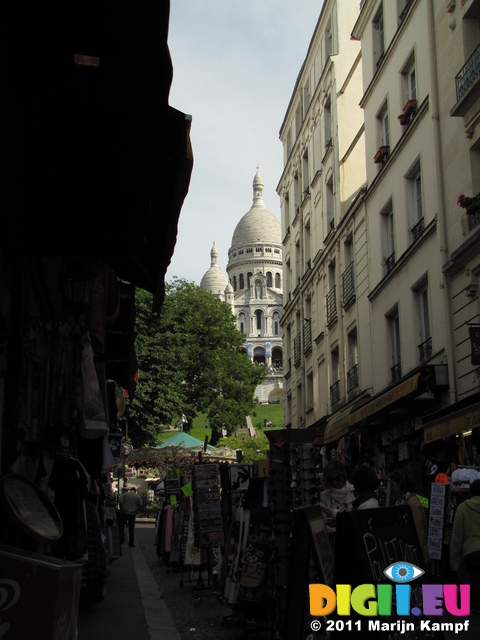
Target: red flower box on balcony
410,107
381,154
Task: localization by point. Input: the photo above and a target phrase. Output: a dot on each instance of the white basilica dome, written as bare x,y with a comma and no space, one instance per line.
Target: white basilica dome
214,279
258,224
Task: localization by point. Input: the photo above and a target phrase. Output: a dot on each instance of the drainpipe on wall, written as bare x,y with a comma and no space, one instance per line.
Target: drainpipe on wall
442,227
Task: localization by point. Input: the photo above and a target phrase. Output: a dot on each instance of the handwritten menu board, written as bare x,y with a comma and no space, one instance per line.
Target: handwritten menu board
366,543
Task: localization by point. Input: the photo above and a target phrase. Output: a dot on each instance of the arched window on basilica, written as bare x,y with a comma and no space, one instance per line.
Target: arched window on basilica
242,282
249,275
258,320
241,323
269,278
259,355
276,323
234,283
278,282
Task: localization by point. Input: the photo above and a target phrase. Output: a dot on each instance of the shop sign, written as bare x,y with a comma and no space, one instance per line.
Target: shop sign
457,422
398,392
474,333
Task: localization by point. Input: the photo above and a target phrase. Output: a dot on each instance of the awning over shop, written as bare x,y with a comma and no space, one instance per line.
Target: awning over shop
337,425
384,400
98,162
458,422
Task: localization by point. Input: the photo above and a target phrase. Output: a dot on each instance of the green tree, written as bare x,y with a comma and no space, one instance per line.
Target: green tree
190,360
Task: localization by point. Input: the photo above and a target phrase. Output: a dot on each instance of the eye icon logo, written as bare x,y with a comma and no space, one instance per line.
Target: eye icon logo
403,572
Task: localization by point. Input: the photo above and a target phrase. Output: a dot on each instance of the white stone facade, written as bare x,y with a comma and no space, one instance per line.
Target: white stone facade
254,287
325,259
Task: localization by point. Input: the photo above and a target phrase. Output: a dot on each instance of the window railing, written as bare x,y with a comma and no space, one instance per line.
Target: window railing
418,228
468,74
348,285
473,219
425,349
288,372
396,372
390,262
307,335
335,393
297,350
352,378
331,300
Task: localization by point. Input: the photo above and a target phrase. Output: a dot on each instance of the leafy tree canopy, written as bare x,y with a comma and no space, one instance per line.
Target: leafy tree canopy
189,360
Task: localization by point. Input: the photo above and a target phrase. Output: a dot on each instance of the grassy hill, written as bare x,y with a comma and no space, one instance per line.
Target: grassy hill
271,412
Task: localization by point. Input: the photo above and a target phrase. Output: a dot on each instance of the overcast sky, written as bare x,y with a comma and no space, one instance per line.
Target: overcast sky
235,64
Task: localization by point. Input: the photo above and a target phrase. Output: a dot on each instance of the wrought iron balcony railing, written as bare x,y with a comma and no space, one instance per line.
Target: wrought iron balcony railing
396,372
418,228
352,378
389,262
335,393
468,74
331,300
348,285
425,349
297,350
307,335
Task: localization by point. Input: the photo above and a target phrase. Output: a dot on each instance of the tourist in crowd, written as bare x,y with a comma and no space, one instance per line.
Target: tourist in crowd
402,484
338,494
465,545
365,483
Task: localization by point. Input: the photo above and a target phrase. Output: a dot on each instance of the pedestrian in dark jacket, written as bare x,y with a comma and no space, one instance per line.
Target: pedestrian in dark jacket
465,542
130,504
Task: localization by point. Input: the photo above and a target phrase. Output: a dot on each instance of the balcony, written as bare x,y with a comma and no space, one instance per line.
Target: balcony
307,335
418,229
297,350
335,393
331,304
425,349
468,74
389,262
472,209
348,285
382,155
288,372
409,111
352,379
396,372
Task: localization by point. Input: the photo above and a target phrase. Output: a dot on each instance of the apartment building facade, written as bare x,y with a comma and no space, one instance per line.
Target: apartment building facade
323,241
381,268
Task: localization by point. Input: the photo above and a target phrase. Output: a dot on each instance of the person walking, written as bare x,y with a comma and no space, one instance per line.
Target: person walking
465,544
130,504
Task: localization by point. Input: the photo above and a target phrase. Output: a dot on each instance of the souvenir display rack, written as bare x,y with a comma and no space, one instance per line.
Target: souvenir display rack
294,484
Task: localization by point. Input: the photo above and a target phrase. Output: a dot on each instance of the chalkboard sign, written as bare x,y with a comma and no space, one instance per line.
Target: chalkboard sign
367,542
370,540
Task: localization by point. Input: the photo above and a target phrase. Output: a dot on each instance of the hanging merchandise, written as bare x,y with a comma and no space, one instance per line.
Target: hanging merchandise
94,423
